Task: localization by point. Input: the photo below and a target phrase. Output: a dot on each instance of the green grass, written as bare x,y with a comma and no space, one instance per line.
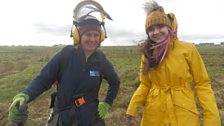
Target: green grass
19,65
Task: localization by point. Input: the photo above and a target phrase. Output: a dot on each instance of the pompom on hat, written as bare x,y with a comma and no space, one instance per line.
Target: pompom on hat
155,15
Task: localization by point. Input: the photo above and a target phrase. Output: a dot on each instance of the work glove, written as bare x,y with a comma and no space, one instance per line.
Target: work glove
132,120
18,110
103,108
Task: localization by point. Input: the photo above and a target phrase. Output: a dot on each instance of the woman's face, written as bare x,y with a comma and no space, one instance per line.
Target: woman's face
90,40
158,33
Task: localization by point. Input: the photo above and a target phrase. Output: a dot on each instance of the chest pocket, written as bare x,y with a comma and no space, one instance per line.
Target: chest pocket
93,74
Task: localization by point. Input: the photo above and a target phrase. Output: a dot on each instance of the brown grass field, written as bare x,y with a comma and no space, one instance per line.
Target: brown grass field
19,65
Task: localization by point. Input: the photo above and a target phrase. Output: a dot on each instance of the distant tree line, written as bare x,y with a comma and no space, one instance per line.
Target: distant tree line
210,44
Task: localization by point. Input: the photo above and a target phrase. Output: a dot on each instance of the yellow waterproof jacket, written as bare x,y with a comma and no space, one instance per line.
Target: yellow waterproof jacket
167,92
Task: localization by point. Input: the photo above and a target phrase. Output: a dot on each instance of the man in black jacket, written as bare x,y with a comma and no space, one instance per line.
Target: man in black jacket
79,78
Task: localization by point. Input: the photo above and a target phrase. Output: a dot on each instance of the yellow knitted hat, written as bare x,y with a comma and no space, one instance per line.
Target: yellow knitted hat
157,16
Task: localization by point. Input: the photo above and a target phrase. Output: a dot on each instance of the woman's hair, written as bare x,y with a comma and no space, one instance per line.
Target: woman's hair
155,15
143,47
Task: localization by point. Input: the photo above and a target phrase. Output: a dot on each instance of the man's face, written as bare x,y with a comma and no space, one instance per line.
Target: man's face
90,41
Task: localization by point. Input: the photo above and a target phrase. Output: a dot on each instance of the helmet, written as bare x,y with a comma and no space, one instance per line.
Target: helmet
86,24
83,21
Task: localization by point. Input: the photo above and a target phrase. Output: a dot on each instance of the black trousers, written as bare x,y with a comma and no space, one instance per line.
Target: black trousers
77,116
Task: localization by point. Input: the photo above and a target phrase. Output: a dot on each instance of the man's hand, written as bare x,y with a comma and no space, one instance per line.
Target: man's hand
103,108
18,109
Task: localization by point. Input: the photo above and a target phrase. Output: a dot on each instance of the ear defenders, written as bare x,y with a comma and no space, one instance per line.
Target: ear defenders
76,35
82,11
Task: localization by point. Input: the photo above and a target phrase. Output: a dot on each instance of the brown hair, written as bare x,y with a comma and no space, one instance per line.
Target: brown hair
143,47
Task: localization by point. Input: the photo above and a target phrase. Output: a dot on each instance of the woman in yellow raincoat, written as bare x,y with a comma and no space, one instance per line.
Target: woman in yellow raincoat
172,73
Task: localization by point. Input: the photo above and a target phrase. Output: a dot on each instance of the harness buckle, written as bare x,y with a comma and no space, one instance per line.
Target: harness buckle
79,102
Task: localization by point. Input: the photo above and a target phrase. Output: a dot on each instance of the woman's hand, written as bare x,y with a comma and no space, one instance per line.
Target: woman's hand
132,120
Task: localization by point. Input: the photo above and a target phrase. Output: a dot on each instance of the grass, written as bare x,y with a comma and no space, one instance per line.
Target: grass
19,65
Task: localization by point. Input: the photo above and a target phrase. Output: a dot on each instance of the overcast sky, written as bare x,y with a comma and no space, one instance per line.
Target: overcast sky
48,22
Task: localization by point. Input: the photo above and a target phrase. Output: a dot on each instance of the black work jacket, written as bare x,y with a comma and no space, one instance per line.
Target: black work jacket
78,77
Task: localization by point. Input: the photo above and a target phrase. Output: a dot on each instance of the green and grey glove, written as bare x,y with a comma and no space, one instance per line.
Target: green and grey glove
18,109
103,108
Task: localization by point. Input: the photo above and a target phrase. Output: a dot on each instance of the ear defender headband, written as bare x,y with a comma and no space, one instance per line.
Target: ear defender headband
85,25
84,22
